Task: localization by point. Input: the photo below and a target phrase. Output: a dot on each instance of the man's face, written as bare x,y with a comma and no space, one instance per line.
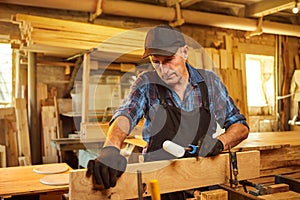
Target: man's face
171,69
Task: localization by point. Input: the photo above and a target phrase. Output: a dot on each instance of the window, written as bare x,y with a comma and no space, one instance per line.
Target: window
260,84
5,74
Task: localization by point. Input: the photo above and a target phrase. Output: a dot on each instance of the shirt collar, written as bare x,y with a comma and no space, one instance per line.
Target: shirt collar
195,77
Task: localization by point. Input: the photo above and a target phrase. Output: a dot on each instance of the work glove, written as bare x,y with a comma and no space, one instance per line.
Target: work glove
211,147
106,168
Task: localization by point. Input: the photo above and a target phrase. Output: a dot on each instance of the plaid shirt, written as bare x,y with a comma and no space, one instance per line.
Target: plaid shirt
143,98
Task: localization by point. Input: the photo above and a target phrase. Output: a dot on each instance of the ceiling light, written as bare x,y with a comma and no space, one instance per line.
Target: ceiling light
295,10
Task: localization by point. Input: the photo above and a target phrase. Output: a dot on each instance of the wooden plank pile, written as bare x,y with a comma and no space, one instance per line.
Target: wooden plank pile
62,37
14,137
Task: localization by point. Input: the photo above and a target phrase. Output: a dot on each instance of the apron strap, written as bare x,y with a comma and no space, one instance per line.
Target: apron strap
204,90
162,95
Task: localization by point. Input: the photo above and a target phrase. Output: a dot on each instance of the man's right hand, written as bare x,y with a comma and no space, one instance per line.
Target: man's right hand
106,168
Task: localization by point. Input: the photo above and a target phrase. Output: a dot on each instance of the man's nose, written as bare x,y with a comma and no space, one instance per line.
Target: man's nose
163,67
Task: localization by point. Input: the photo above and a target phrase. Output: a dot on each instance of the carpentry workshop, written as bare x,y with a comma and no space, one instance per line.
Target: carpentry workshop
150,100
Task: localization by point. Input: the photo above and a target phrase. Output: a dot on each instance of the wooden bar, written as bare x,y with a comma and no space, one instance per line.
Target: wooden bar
173,175
218,194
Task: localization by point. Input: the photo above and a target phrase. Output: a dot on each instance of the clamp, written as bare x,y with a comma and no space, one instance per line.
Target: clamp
233,169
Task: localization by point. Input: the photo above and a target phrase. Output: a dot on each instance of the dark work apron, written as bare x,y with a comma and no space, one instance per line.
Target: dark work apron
179,126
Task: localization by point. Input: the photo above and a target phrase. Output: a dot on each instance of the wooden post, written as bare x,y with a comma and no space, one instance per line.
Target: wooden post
33,117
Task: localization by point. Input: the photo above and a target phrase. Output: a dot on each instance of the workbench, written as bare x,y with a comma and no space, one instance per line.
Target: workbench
279,151
22,180
269,140
70,144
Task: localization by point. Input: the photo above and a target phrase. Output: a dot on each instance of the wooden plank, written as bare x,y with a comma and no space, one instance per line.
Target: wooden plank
282,157
9,139
290,195
218,194
269,140
49,132
173,175
23,131
275,188
2,156
224,59
207,57
280,151
23,180
59,133
85,45
293,183
118,39
55,32
65,25
233,79
7,113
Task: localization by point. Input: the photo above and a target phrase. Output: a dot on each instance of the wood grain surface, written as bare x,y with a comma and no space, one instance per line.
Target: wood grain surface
22,180
270,140
172,175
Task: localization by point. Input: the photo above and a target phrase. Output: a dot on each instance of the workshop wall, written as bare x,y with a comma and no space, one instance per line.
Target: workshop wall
208,37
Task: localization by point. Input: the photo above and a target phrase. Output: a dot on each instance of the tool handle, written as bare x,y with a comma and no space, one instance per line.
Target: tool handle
173,148
234,161
154,188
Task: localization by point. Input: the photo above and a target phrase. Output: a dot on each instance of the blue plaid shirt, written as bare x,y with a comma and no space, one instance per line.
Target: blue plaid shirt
144,97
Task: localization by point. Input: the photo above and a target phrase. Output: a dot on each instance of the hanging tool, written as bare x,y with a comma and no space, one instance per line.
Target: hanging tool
154,188
233,169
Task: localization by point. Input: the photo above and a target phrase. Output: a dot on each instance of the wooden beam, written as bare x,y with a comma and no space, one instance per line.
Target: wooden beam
267,7
173,175
187,3
65,25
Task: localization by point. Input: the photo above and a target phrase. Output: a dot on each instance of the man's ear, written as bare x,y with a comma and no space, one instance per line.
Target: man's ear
185,52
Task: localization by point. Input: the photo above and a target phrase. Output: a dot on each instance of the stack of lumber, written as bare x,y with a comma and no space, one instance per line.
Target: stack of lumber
14,135
66,38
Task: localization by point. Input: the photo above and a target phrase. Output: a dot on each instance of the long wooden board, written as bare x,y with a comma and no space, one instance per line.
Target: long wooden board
173,175
23,180
23,131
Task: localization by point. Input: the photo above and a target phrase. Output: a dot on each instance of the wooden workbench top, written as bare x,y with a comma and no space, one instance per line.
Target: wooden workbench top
23,180
270,140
